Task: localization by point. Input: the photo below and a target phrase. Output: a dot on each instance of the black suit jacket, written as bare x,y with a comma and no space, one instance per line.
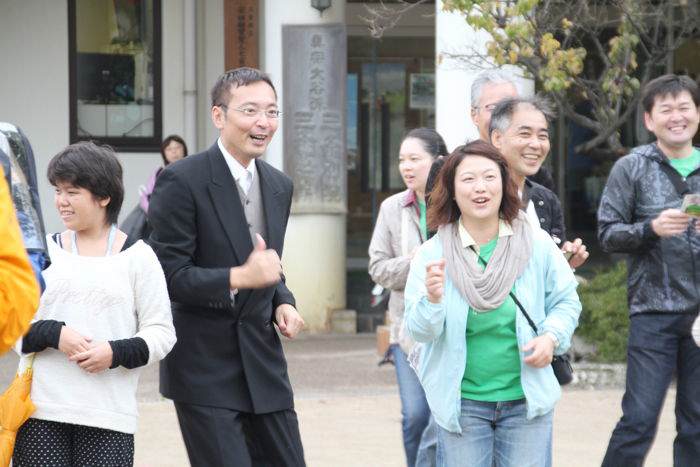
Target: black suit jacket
227,354
548,208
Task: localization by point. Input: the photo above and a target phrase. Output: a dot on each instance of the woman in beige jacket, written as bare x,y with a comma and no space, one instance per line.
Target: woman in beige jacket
400,229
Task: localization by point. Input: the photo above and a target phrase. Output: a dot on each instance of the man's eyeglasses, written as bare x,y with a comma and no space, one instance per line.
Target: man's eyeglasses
252,112
488,107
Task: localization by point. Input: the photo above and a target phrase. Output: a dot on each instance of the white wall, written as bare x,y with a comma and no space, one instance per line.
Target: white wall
172,65
210,64
454,77
34,82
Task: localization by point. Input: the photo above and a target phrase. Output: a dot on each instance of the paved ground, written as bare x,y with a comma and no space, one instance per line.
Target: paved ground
349,412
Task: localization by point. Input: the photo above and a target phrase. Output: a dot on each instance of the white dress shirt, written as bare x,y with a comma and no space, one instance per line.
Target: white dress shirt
242,175
530,211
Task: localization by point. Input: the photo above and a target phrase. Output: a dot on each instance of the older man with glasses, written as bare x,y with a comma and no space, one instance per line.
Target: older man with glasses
519,128
488,89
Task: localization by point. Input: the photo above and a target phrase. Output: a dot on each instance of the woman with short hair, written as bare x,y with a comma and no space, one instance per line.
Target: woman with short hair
486,375
105,313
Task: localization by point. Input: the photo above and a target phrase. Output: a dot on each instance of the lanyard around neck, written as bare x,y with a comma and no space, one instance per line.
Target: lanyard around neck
110,240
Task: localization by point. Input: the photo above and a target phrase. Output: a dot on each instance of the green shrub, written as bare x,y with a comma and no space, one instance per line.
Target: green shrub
605,317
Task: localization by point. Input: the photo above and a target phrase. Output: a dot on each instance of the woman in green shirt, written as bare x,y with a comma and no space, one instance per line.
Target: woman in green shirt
486,374
400,229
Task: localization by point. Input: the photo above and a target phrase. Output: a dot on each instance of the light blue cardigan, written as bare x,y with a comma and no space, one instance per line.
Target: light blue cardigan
547,291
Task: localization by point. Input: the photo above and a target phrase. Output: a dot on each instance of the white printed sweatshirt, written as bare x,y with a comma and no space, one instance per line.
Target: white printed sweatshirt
104,298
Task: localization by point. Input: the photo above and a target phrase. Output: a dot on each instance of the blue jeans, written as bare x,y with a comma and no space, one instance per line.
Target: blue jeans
497,434
419,429
658,344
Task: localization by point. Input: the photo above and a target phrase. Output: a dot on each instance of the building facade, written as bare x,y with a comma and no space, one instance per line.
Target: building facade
130,72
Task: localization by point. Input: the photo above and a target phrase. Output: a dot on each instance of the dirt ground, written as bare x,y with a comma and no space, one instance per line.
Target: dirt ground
349,412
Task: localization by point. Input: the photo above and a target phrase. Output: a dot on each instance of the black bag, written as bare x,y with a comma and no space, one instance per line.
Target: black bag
135,226
561,364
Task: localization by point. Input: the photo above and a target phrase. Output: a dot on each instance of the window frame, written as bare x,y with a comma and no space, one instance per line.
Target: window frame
122,144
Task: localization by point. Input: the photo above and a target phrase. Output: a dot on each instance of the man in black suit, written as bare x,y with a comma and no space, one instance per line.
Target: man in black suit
213,215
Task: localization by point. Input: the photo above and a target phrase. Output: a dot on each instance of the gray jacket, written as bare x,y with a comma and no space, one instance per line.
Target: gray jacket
663,273
396,236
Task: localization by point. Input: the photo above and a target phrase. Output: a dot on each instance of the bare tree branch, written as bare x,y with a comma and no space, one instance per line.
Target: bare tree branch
383,17
623,42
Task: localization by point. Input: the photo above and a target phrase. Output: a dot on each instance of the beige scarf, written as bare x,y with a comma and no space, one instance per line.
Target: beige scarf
487,289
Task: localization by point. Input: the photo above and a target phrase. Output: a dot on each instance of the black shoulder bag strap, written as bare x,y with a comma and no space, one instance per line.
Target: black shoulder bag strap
560,363
512,295
677,180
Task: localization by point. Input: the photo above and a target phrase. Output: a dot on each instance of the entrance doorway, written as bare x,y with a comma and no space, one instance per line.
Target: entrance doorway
390,91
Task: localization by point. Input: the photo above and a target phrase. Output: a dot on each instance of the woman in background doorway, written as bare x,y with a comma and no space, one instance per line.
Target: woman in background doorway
136,224
172,150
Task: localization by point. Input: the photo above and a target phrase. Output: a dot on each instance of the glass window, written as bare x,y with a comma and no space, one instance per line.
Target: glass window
385,85
351,119
115,72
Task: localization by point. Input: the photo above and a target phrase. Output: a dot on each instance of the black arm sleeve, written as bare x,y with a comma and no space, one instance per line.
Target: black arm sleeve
619,228
558,226
172,214
282,294
42,334
129,353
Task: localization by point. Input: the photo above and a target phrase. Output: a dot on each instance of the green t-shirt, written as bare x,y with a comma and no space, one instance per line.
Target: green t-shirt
686,165
492,372
423,219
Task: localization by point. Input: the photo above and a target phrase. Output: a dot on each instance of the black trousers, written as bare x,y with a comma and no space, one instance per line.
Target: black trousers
218,437
658,345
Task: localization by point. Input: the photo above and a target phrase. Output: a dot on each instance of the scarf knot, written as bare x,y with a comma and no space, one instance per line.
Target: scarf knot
486,289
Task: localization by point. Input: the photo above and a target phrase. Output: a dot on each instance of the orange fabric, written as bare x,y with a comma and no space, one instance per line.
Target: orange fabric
19,291
15,408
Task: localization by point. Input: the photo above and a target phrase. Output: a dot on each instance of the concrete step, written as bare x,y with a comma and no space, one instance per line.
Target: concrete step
344,321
